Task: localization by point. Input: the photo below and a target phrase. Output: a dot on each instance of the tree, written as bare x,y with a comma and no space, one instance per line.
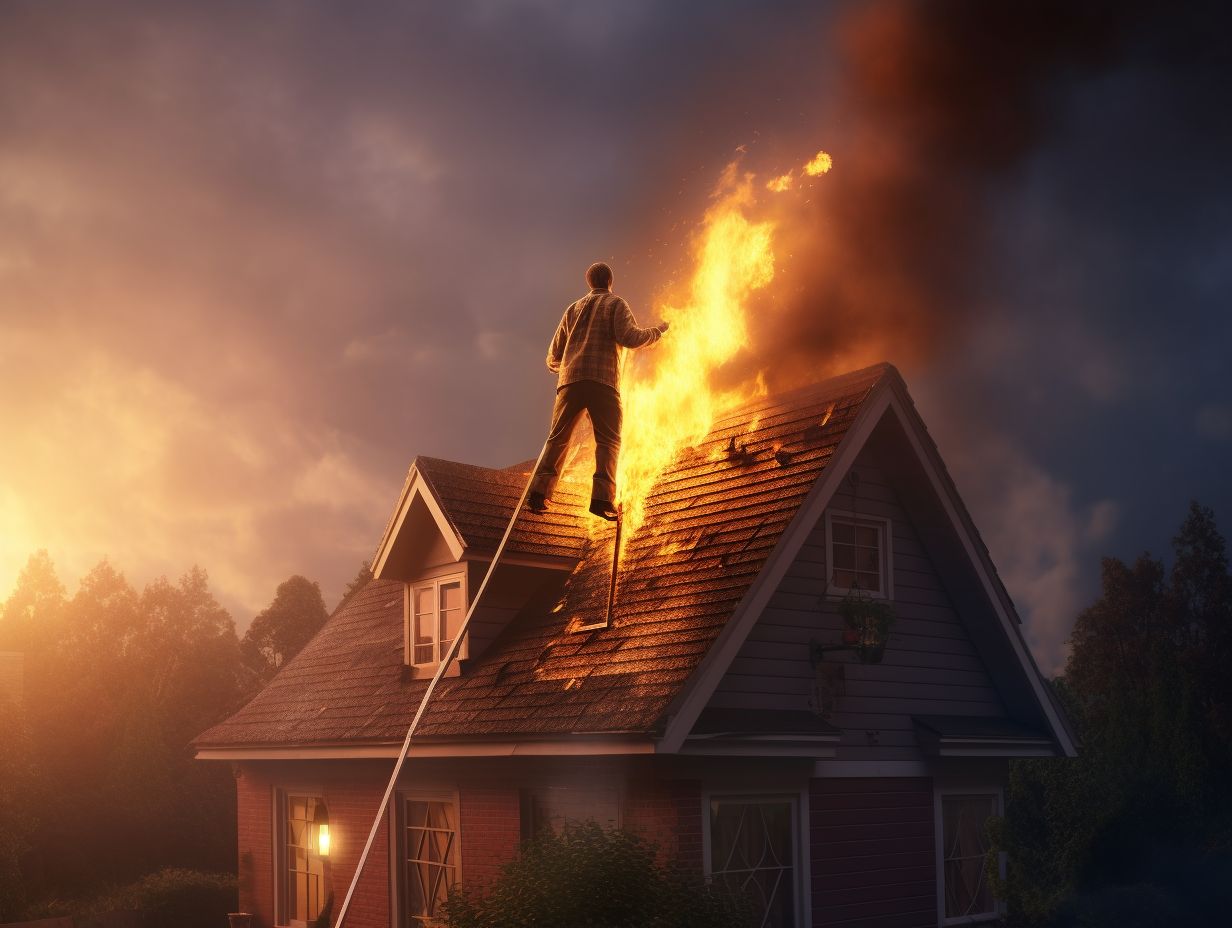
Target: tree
33,612
117,684
1144,811
280,631
18,798
361,580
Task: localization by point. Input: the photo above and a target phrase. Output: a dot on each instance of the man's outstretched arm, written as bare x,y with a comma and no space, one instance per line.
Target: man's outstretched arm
629,334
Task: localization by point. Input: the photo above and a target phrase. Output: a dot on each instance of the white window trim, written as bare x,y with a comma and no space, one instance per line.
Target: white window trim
887,554
408,617
803,863
279,836
395,841
976,789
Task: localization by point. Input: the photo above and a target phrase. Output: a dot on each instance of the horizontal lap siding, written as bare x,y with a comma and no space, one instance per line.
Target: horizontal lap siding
872,850
930,666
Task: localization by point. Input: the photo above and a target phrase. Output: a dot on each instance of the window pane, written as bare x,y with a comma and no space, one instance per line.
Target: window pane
423,600
842,532
964,845
429,847
868,535
752,851
844,557
451,614
868,559
303,886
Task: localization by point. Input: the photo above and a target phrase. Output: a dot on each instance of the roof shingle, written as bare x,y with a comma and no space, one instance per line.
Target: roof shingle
712,520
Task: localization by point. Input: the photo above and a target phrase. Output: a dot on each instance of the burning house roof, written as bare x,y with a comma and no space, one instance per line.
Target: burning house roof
712,519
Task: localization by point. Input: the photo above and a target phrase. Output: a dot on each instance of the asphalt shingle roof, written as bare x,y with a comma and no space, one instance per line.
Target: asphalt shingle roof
712,520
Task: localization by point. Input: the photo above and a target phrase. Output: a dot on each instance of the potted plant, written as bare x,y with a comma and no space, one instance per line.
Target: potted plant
867,624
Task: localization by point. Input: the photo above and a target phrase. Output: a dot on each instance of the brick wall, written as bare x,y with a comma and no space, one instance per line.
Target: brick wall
352,794
873,853
668,812
254,803
489,819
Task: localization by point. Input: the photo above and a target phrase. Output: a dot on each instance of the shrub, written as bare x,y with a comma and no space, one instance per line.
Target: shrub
172,898
590,877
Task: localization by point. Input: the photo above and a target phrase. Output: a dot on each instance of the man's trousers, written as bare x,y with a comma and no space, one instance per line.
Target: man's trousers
601,402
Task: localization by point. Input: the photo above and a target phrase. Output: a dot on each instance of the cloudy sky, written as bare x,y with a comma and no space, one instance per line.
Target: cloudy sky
255,257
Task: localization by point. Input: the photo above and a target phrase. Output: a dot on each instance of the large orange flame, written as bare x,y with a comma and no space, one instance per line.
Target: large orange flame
669,401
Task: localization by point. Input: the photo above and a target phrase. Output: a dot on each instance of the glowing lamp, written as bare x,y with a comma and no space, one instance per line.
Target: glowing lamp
320,822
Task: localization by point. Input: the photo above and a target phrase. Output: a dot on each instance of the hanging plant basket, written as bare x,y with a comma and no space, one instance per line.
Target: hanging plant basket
867,625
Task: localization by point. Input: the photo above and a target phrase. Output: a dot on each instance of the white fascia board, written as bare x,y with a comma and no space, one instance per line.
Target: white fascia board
561,748
416,486
930,458
706,678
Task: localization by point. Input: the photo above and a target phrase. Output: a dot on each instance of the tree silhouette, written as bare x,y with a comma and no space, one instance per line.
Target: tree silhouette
1141,818
282,629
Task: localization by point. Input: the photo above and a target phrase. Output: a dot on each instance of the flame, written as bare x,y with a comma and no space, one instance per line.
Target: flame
780,183
821,164
672,405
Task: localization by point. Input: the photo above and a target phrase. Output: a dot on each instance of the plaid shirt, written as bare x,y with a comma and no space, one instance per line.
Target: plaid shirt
587,342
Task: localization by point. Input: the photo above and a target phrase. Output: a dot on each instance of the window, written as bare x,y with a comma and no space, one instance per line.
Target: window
753,849
545,810
858,549
301,867
963,833
428,851
435,610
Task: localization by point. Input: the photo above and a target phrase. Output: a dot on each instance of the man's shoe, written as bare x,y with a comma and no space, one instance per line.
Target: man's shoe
604,510
537,503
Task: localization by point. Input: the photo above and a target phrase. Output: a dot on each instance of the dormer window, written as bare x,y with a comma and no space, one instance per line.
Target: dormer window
434,612
858,549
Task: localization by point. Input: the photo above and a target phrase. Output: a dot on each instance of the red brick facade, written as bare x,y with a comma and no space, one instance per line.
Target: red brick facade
873,853
871,840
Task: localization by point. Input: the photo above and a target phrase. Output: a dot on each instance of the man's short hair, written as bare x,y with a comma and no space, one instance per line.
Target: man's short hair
598,276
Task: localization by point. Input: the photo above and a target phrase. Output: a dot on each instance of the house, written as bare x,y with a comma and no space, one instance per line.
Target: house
709,710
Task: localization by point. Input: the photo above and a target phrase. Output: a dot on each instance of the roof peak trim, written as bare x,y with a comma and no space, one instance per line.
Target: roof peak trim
417,485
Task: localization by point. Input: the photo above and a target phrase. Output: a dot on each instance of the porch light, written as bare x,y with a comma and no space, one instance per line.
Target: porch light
320,823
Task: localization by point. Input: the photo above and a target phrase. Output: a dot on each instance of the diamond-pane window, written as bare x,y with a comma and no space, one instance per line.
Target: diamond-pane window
430,858
964,845
753,852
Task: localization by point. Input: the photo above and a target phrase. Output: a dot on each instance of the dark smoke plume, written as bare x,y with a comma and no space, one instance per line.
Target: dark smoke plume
935,105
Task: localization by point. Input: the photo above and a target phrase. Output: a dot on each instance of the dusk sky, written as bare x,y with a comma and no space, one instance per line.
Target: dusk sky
254,257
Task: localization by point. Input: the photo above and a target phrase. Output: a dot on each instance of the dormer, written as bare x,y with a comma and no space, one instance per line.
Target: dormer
448,522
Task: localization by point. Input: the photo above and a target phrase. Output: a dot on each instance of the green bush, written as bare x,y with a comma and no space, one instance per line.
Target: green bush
171,898
590,877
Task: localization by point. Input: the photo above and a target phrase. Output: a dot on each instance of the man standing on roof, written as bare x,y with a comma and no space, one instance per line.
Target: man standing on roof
585,356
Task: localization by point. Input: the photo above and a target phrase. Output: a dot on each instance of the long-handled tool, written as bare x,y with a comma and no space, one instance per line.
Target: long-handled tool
423,703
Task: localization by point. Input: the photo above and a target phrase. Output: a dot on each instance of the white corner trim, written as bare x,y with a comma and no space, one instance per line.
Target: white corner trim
718,658
913,426
415,486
